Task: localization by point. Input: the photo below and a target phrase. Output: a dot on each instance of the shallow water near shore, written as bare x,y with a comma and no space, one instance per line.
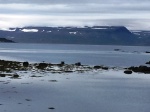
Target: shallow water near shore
86,54
106,91
90,90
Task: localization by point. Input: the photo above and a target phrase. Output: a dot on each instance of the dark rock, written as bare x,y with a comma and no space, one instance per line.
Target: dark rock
52,80
100,67
97,67
147,62
52,108
68,71
15,76
2,75
25,64
142,69
35,76
128,72
78,64
62,63
7,66
147,52
28,99
105,68
42,65
116,49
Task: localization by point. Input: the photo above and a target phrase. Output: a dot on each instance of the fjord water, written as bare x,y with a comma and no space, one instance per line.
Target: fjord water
92,91
86,54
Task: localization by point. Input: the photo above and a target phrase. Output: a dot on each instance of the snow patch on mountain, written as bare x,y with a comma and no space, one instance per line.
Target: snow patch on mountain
30,30
73,33
7,29
99,28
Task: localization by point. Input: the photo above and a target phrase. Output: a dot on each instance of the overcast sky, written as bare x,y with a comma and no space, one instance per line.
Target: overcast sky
134,14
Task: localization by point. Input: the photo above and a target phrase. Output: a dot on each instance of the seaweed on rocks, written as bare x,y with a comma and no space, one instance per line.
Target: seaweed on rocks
42,65
101,67
141,69
7,66
25,64
14,66
78,64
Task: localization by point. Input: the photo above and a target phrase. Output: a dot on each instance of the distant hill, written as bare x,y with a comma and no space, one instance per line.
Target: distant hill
97,35
6,40
143,37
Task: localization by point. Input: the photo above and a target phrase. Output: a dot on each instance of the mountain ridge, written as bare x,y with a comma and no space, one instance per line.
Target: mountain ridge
96,35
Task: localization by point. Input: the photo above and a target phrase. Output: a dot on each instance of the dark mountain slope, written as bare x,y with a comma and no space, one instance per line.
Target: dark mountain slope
143,37
100,35
6,40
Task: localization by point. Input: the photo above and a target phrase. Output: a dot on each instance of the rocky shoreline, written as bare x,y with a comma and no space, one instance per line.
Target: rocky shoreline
42,87
10,68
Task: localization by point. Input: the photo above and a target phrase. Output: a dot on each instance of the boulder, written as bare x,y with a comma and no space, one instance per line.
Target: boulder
147,52
62,63
42,65
2,75
147,62
78,64
142,69
101,67
128,72
25,64
15,76
97,67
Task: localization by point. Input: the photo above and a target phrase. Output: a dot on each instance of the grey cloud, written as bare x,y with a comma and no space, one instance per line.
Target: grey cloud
72,1
35,20
133,14
63,8
48,1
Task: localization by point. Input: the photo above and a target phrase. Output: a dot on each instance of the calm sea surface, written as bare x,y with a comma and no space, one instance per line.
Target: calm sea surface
86,54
